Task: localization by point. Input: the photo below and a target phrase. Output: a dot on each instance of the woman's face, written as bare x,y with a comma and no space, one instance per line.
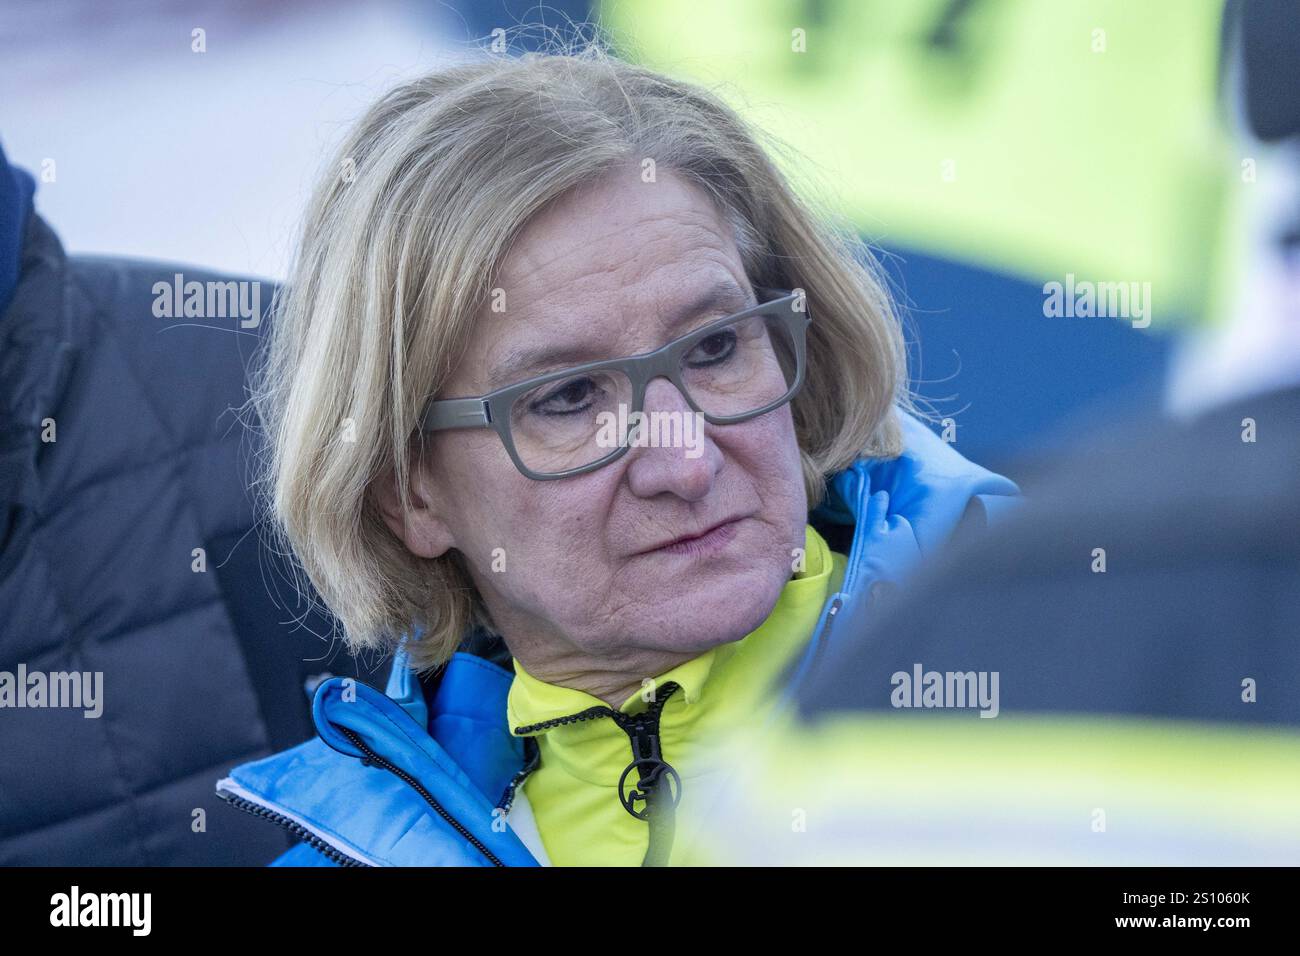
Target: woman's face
584,565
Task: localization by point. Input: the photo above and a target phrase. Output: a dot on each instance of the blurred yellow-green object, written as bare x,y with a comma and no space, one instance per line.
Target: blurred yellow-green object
1018,789
1036,137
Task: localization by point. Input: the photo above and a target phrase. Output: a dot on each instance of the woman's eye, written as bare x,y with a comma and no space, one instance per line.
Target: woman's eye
569,398
713,349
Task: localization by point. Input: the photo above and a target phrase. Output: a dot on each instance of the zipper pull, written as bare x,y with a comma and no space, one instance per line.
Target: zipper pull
658,785
652,772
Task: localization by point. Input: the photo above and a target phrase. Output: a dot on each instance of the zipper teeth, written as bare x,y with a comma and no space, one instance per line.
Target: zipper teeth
593,712
508,798
410,781
659,703
588,714
823,639
297,829
655,850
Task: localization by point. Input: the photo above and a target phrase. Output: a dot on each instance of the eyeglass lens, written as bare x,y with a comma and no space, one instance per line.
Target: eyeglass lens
734,370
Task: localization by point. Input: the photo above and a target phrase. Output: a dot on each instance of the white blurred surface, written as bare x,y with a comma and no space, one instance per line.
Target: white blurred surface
1256,348
200,158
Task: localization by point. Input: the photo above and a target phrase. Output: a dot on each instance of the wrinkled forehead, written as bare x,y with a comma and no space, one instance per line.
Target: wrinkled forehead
612,235
612,271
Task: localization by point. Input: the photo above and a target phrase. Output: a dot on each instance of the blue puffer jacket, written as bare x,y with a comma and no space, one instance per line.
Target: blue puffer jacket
426,775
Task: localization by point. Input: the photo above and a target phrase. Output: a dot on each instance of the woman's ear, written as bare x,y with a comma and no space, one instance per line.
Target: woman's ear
422,528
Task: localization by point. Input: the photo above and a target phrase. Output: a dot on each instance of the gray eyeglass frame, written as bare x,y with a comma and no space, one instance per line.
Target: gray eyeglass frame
493,409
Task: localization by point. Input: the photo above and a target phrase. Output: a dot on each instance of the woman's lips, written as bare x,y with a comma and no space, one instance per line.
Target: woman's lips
705,545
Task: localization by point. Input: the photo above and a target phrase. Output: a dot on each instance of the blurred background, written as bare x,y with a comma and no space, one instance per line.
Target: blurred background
984,147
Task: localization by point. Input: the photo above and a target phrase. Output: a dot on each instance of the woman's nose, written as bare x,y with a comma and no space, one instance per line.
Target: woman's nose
671,450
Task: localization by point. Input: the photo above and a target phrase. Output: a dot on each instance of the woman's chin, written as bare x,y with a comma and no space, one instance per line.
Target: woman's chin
705,613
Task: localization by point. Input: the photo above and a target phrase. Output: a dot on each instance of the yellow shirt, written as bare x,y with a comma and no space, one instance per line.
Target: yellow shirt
573,794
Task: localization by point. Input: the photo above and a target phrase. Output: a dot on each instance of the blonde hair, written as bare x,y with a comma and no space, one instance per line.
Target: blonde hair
399,249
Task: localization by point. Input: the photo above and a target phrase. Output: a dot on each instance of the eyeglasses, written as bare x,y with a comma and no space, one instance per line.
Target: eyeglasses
579,419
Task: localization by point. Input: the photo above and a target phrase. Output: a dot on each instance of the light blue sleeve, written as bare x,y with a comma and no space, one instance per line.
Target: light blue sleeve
302,855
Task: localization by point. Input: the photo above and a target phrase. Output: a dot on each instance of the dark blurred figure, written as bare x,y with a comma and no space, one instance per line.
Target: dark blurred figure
1157,569
1198,531
129,549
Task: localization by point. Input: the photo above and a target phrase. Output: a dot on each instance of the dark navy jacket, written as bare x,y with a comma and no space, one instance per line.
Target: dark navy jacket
98,528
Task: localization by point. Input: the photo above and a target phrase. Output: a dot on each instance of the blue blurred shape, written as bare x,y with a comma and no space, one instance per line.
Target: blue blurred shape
1015,381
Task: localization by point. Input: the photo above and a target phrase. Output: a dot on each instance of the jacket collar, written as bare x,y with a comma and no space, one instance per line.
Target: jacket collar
376,787
902,510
